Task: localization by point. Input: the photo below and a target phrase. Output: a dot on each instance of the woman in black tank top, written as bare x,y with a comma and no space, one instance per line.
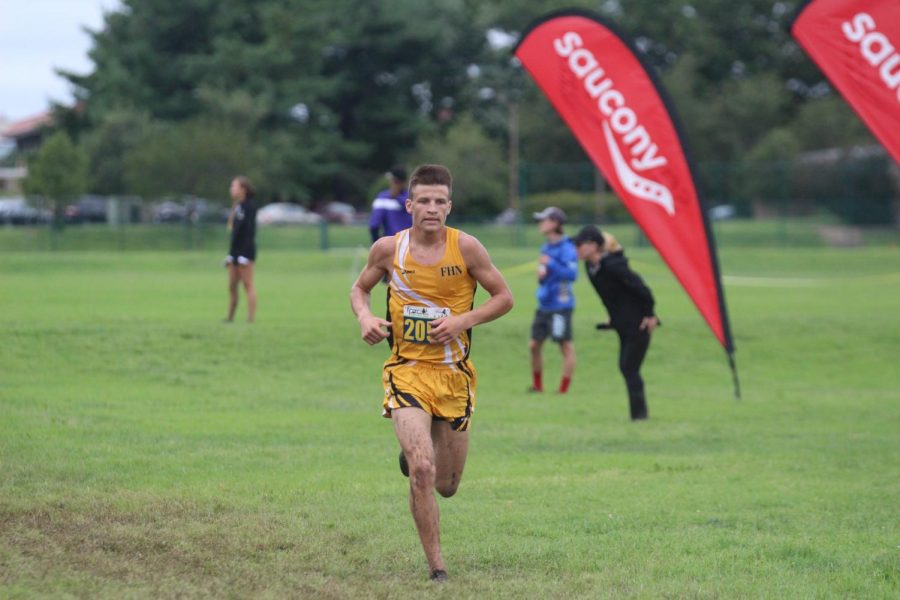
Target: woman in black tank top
242,252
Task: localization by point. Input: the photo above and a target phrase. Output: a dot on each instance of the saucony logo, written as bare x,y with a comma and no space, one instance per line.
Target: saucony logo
876,48
618,120
637,186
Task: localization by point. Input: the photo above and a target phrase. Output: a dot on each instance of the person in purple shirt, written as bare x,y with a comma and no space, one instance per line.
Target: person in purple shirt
389,208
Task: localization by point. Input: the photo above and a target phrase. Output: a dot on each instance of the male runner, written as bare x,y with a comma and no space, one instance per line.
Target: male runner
429,382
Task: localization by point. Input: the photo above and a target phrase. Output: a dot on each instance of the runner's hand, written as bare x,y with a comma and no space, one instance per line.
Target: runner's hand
370,328
445,329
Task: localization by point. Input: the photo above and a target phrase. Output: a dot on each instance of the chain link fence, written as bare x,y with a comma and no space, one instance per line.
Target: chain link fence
838,198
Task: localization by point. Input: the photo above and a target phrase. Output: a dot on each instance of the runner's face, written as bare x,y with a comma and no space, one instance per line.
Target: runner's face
429,206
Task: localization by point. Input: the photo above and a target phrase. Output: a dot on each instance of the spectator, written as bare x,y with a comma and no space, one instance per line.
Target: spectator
242,252
389,213
557,270
629,303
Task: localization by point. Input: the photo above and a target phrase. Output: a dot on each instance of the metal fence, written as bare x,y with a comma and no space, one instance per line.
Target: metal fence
857,186
775,232
837,198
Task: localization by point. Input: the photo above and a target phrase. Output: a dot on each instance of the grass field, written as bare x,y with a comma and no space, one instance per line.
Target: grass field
148,450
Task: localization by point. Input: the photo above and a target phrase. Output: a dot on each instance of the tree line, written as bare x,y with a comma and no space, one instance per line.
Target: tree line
314,99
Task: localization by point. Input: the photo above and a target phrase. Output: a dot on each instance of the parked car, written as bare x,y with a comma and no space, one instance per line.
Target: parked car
169,212
285,213
200,210
339,212
722,212
509,216
195,210
16,211
89,209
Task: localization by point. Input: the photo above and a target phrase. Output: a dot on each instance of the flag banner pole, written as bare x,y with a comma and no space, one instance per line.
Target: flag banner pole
734,376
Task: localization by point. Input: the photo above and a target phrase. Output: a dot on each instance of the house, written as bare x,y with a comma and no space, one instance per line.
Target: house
24,137
27,133
11,179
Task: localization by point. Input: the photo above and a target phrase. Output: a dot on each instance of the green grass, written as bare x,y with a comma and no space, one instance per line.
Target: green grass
148,450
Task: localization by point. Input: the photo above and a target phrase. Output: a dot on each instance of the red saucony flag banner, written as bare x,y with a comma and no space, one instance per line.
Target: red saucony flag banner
856,43
613,104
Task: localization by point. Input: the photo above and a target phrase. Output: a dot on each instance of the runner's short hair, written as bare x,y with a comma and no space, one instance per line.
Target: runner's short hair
431,175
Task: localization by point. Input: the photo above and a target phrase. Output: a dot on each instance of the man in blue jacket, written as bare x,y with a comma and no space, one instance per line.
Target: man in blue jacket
557,270
389,207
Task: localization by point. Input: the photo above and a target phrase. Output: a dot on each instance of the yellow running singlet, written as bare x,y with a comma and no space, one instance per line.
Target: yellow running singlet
418,294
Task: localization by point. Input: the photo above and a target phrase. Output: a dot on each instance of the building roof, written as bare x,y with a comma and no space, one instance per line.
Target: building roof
28,125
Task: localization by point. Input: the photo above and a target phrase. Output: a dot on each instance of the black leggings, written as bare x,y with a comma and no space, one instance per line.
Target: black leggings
632,349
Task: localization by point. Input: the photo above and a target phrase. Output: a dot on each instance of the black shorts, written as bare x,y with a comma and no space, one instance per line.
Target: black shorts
554,323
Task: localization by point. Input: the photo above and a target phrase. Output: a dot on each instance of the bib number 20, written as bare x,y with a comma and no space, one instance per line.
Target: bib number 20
417,322
416,330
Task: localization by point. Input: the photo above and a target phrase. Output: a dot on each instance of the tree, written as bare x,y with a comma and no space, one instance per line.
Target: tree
145,58
194,158
476,161
331,99
58,172
326,94
118,133
829,122
724,122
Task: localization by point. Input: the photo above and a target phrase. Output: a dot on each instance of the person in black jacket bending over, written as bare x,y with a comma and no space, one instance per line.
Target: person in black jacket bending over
242,252
629,303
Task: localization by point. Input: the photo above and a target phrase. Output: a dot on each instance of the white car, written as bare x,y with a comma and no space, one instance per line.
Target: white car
339,212
722,212
16,211
285,213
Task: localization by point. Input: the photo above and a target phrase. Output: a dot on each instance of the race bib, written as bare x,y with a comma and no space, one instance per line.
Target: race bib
417,322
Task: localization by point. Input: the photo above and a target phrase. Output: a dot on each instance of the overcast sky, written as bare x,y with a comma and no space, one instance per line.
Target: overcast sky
37,36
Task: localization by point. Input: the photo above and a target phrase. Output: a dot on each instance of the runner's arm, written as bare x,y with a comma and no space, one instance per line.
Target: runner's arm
486,274
371,327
